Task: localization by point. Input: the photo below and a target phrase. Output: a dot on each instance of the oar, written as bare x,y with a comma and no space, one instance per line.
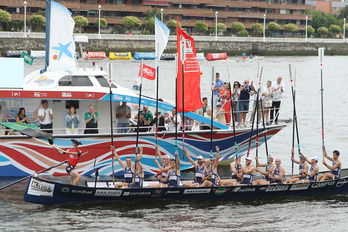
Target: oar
321,57
257,112
265,134
157,87
293,122
183,58
211,118
111,129
176,103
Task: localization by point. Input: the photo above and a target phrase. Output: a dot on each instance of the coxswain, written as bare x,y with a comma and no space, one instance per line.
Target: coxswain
173,175
303,166
335,168
128,168
269,168
277,174
248,172
74,154
199,167
236,173
210,177
313,171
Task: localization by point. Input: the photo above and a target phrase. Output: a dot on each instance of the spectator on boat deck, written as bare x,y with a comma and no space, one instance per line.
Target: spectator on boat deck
277,174
245,91
22,117
171,120
202,110
259,111
236,173
199,167
269,169
313,171
3,118
160,120
235,96
248,172
173,175
123,114
131,180
91,120
278,90
335,168
226,102
220,113
148,117
74,154
303,166
219,84
267,100
208,115
72,121
46,116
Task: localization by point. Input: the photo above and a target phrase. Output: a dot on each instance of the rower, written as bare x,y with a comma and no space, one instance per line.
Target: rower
74,154
236,173
277,174
335,168
138,179
210,177
173,175
303,166
313,171
199,167
164,169
269,168
128,168
248,172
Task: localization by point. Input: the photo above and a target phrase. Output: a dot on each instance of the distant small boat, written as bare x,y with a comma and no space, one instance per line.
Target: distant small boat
144,55
95,55
200,56
216,56
168,56
120,56
13,53
38,54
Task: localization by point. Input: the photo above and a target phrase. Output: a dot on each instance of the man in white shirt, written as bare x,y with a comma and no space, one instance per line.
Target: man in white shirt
278,90
46,116
171,121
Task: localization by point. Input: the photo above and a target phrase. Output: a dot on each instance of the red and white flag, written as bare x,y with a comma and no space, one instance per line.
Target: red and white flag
148,72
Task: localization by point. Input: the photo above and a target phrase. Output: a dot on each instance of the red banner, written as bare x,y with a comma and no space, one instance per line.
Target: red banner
148,72
192,74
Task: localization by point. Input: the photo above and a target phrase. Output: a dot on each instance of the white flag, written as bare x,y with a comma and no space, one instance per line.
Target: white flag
161,37
62,45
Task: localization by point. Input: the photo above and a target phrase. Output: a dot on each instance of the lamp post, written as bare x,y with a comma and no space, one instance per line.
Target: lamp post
99,8
162,15
264,27
216,16
25,19
306,28
344,28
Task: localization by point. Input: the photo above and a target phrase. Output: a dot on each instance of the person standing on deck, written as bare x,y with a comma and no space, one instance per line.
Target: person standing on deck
226,104
216,89
91,120
335,168
72,121
244,98
199,167
123,114
74,154
46,116
171,121
278,89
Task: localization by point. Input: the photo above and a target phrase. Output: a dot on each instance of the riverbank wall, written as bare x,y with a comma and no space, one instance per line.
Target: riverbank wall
230,47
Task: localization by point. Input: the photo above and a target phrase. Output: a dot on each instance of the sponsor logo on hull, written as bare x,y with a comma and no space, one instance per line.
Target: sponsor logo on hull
341,183
221,191
196,191
126,194
277,188
299,187
322,184
240,189
39,188
108,193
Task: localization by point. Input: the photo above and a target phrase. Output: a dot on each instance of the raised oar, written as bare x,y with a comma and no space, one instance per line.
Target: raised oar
176,103
111,125
265,134
321,57
293,122
257,112
211,118
183,58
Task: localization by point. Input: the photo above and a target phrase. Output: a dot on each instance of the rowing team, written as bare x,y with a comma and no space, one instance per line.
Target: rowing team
206,175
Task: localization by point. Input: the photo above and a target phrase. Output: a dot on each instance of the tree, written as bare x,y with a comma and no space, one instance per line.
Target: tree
201,26
221,27
310,30
17,25
344,13
346,28
172,25
273,27
290,27
257,29
243,33
103,23
37,21
322,31
41,12
322,19
81,22
237,27
5,17
119,29
335,29
130,22
150,25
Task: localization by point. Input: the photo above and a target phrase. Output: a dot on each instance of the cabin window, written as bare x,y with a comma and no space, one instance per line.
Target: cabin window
75,81
104,82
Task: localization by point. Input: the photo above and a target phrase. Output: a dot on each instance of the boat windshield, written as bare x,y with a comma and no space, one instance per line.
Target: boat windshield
75,81
104,82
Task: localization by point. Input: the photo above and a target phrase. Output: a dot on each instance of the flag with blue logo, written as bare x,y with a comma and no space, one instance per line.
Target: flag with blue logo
161,37
62,45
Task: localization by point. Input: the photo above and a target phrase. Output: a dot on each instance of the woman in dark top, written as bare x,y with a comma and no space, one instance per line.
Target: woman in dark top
22,117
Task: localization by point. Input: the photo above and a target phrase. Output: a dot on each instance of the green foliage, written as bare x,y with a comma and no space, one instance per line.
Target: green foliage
322,19
153,12
103,23
346,29
5,17
335,29
257,29
201,26
150,25
80,22
273,27
237,27
145,32
290,27
119,29
310,30
322,31
243,33
344,13
131,21
17,25
221,27
172,25
37,21
211,30
41,12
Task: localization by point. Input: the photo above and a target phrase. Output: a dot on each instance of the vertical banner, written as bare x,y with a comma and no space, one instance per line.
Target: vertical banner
192,73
